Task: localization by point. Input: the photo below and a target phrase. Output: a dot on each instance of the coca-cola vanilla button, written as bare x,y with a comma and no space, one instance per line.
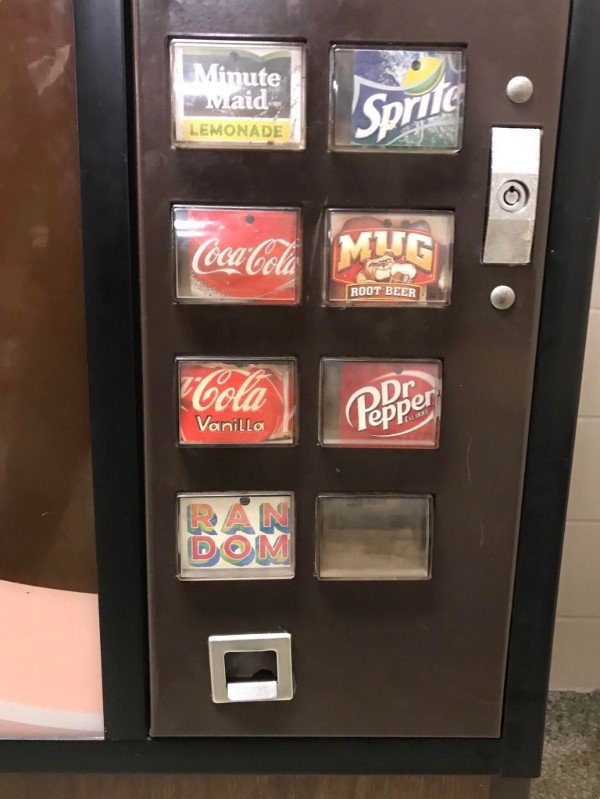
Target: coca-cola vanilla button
237,402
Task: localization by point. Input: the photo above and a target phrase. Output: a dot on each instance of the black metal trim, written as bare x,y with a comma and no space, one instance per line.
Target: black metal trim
102,33
563,325
252,756
111,318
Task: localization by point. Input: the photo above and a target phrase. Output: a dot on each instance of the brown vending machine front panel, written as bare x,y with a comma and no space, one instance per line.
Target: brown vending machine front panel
335,411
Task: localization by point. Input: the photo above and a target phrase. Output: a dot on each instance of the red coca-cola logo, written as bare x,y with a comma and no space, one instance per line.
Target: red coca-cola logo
228,403
390,404
241,254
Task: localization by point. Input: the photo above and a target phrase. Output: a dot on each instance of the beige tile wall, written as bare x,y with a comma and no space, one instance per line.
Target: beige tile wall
576,656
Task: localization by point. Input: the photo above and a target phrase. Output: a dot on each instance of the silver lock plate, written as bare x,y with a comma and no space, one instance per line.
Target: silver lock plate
514,178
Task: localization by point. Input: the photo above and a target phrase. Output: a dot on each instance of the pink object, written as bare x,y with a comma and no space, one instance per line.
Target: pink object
50,676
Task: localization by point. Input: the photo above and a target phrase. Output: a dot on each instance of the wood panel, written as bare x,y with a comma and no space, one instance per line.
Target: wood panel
94,786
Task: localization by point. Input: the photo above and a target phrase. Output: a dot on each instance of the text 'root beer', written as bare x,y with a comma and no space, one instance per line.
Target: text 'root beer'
388,258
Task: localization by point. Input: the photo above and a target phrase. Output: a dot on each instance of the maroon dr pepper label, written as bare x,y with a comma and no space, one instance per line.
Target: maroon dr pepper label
236,402
237,255
381,403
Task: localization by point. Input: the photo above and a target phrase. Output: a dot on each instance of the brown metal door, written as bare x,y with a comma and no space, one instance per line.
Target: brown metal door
370,658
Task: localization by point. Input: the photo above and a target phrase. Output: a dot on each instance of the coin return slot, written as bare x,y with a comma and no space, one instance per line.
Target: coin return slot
251,668
251,676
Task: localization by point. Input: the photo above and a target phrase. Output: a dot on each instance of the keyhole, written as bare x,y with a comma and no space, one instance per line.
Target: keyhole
513,196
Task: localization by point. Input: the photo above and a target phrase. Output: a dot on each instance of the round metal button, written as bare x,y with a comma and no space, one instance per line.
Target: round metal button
503,297
519,89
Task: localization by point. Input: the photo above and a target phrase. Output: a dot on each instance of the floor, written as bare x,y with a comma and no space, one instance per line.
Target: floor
572,750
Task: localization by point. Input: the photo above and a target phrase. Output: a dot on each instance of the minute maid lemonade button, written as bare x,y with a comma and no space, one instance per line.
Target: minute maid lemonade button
237,94
423,75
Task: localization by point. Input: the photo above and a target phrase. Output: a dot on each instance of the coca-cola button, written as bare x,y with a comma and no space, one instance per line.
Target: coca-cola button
234,255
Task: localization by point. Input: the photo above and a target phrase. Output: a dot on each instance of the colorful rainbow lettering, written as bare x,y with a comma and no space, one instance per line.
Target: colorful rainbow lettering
237,521
236,542
271,518
200,516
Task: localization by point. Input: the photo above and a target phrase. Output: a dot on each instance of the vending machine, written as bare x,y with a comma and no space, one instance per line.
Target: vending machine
338,257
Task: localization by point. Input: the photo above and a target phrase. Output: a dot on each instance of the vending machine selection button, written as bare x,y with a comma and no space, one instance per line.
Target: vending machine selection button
503,297
397,99
237,401
380,403
374,536
241,94
228,536
389,258
519,89
237,256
